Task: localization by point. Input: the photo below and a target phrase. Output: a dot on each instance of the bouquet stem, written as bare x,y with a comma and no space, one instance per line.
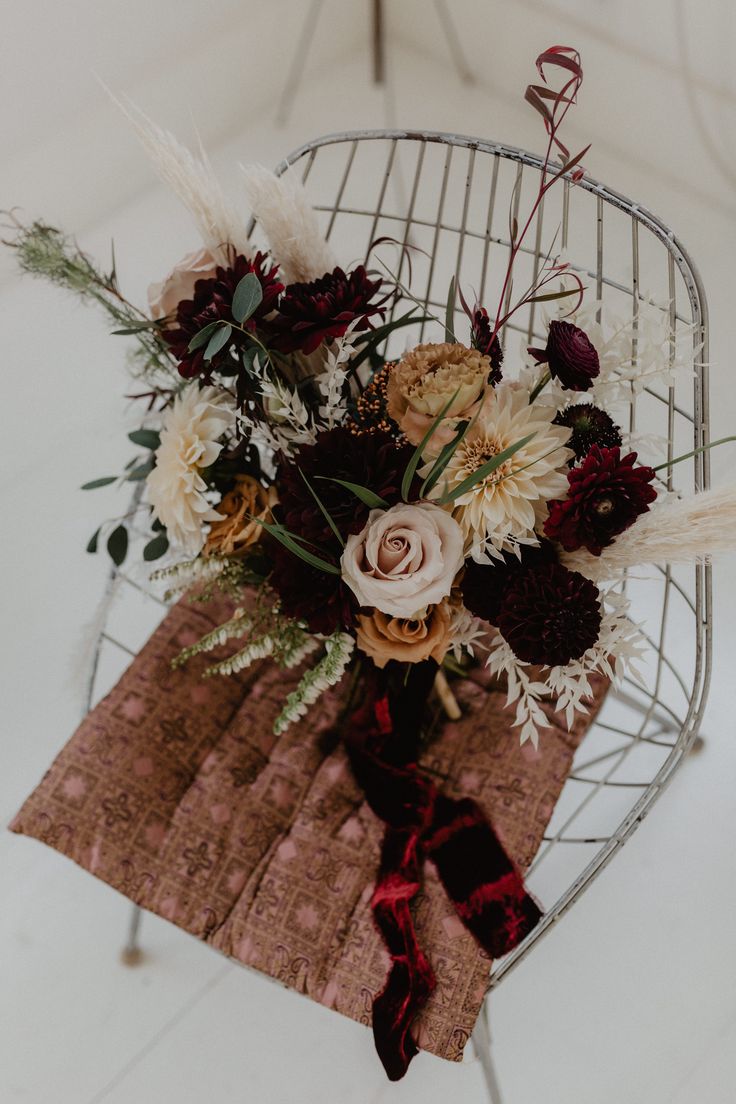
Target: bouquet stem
446,696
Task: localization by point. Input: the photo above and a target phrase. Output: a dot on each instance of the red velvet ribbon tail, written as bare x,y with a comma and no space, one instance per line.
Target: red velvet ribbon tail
410,979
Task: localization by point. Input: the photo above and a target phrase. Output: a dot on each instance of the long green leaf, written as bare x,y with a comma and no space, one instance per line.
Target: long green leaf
325,512
369,497
141,472
247,298
450,313
484,471
289,542
375,337
443,460
413,464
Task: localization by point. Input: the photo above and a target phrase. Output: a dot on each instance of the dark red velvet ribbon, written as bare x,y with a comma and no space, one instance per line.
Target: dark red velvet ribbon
382,737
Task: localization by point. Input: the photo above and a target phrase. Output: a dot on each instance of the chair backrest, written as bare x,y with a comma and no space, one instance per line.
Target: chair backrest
450,199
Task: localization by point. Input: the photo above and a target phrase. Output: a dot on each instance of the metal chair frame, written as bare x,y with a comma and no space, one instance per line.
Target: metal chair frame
659,727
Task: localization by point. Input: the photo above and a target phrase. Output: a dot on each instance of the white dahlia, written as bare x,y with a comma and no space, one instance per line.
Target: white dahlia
501,511
190,441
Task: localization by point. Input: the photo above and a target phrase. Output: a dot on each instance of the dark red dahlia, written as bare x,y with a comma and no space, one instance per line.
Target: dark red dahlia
372,460
484,585
606,495
212,302
550,615
590,426
480,339
307,594
569,355
322,309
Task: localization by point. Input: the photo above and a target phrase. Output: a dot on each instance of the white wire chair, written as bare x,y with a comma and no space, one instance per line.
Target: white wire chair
449,197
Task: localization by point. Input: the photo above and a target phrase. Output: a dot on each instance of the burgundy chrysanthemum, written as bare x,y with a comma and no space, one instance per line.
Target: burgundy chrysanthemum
480,339
590,426
311,313
372,460
483,585
550,615
569,355
606,495
308,594
212,302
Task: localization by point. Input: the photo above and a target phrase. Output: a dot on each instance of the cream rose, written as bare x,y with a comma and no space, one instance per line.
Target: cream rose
405,558
164,297
425,380
407,640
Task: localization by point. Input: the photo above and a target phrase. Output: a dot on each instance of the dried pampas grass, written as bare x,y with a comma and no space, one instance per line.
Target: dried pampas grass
281,206
681,530
192,179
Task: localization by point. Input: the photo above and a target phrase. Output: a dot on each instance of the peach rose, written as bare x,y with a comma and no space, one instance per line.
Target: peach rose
424,381
238,529
164,297
404,559
409,640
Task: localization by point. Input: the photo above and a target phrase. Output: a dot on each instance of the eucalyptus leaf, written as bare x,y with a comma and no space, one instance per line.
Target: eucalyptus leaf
105,481
137,327
117,545
141,471
365,494
219,339
156,547
202,337
483,471
93,541
146,438
247,298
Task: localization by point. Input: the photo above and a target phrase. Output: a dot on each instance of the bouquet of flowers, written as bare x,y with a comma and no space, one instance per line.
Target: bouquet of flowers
393,520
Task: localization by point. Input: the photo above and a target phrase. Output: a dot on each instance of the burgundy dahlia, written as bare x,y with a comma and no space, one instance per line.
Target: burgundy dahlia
550,615
308,594
212,302
322,309
606,495
569,355
484,585
589,426
372,460
480,339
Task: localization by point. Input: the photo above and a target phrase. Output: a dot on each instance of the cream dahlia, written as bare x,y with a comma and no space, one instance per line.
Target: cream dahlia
502,510
190,441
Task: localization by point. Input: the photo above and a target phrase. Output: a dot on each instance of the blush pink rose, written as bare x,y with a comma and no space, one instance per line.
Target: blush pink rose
164,297
405,559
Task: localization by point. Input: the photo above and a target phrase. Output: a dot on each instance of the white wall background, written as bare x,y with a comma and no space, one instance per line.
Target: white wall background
631,998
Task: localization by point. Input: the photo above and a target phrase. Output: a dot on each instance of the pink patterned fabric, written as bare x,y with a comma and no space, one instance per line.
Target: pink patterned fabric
175,791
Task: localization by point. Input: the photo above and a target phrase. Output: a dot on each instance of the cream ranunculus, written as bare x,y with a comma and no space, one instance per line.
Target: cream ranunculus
164,297
424,381
190,441
405,558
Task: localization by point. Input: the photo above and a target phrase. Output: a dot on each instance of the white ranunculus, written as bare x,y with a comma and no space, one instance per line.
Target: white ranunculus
191,439
405,559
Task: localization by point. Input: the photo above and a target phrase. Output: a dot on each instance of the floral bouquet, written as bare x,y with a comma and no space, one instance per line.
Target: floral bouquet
394,520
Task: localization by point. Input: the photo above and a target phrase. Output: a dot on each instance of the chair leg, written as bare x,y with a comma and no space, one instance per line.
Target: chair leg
132,954
482,1047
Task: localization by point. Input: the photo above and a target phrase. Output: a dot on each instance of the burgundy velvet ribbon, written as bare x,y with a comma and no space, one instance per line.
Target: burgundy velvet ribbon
382,738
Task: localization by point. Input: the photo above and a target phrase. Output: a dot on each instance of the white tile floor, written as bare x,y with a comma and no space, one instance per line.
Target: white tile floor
630,998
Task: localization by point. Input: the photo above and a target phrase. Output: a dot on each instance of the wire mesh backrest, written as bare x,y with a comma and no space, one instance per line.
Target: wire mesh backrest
450,200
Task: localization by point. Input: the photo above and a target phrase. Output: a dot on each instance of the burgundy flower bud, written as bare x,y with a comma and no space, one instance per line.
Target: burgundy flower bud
570,356
550,615
607,493
480,339
589,426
